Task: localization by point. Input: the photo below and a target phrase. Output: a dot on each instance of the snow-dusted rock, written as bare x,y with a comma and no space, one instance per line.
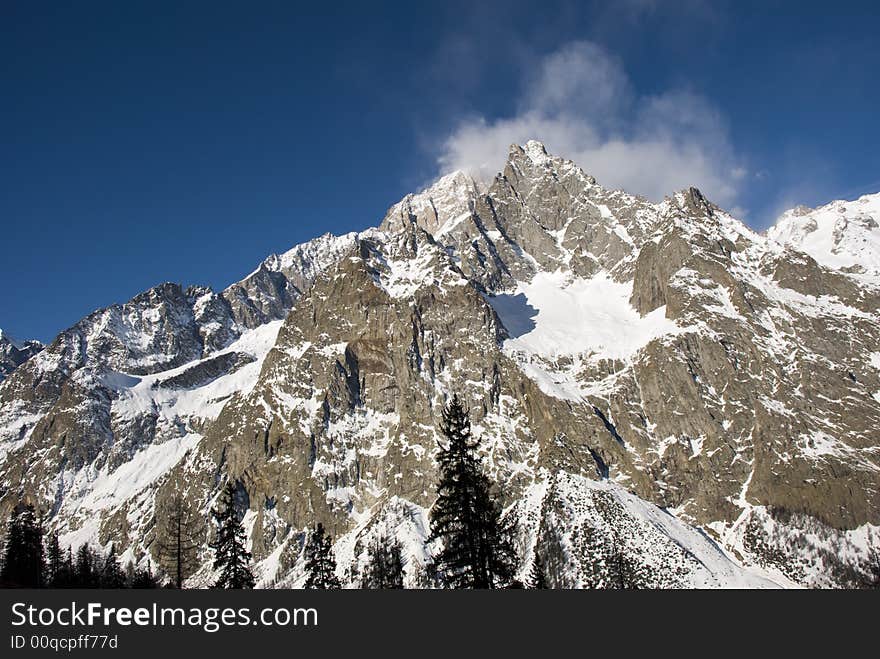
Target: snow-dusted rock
655,386
14,353
843,235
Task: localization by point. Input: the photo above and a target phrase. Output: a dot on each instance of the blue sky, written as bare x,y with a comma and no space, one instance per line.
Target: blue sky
150,142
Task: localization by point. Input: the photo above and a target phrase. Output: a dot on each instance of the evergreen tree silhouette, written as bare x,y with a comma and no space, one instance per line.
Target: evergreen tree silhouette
86,571
477,546
177,545
384,569
231,556
143,578
23,557
537,578
13,549
67,578
320,564
54,562
111,572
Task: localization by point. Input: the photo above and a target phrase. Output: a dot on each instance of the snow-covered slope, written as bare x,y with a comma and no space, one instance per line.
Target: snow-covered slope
655,386
557,315
178,402
437,208
842,235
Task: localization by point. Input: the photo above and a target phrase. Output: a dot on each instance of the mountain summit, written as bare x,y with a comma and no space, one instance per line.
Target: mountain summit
842,235
14,353
655,385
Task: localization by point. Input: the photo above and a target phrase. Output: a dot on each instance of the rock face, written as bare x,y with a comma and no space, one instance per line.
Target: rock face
15,353
655,386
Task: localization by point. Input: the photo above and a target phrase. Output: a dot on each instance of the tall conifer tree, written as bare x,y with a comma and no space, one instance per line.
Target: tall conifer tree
24,564
87,574
537,577
69,572
231,556
384,569
54,562
142,578
320,563
12,551
111,572
476,545
177,543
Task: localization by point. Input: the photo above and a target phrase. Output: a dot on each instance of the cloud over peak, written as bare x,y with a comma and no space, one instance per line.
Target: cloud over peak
581,103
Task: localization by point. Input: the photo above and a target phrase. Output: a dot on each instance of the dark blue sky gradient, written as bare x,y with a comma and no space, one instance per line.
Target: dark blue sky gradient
150,142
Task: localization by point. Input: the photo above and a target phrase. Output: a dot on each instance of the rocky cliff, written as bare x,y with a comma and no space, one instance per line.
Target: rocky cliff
652,381
15,353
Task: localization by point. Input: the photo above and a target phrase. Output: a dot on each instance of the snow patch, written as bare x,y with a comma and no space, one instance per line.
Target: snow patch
842,234
110,489
146,394
559,315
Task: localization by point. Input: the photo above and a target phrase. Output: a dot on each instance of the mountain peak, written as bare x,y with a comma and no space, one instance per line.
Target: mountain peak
839,235
645,367
6,338
692,201
14,353
536,151
533,150
449,197
533,159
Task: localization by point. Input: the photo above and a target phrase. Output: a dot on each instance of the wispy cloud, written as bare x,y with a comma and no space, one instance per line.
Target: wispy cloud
582,104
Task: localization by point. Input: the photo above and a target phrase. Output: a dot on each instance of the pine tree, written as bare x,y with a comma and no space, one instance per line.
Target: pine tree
111,572
177,545
320,564
537,577
24,563
873,574
33,540
384,569
230,554
67,578
54,562
143,578
85,571
477,546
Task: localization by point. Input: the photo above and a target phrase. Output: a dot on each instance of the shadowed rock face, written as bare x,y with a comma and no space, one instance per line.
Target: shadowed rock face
615,353
15,353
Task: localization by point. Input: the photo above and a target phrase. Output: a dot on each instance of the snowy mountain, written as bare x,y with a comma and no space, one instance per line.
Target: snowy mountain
655,380
15,353
843,235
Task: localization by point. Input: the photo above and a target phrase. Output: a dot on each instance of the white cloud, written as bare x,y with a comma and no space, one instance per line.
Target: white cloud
581,76
582,105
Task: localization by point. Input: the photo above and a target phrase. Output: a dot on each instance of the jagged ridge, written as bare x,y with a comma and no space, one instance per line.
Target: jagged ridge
602,341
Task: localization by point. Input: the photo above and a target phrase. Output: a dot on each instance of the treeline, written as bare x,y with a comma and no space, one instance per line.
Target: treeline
475,547
32,560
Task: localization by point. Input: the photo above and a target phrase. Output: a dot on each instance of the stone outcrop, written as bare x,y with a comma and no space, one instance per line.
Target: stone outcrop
15,353
719,374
